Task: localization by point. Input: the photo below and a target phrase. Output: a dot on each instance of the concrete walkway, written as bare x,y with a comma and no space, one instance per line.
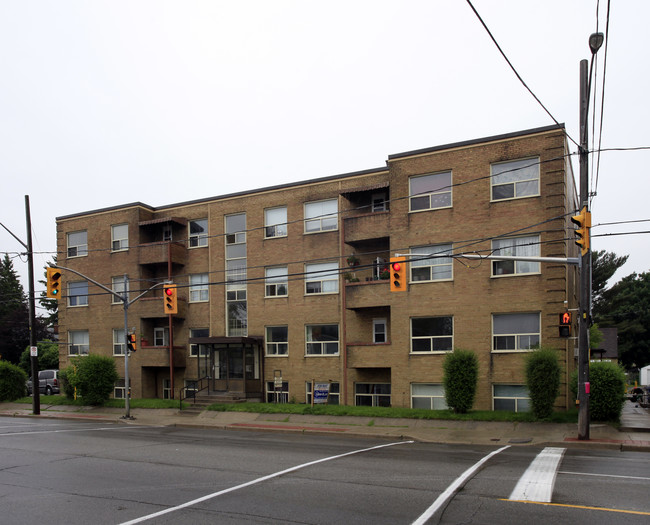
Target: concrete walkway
633,434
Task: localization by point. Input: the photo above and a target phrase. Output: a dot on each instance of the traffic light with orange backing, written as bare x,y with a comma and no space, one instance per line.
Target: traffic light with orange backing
397,274
53,283
131,342
170,299
565,324
583,220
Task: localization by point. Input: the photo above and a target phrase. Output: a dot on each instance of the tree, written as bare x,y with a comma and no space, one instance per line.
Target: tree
48,357
14,315
628,309
543,380
460,379
12,381
603,266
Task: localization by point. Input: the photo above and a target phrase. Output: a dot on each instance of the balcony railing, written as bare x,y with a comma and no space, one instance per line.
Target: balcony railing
368,226
162,252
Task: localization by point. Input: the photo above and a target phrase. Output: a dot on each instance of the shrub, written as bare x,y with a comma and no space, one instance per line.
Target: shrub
94,378
543,380
607,390
48,357
460,379
12,381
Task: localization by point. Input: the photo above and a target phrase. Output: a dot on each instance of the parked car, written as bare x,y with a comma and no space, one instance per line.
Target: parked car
48,383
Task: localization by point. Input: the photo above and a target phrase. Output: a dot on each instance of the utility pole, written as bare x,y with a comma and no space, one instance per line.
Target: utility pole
595,41
585,265
33,348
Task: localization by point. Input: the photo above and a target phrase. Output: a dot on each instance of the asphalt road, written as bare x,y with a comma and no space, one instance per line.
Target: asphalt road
73,472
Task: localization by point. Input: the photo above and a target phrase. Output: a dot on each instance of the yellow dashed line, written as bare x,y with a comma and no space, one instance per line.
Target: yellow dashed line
579,507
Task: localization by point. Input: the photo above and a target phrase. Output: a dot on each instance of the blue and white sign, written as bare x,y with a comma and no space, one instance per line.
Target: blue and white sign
321,392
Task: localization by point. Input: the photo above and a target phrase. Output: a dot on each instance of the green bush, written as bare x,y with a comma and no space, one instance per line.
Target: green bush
12,381
607,390
460,380
94,378
48,357
543,380
66,385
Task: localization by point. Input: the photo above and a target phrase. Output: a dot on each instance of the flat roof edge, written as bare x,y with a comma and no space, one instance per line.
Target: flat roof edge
493,138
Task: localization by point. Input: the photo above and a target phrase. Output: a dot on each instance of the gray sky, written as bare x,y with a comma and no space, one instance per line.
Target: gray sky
108,102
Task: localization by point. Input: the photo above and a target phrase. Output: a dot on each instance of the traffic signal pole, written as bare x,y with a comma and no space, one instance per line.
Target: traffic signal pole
126,303
585,266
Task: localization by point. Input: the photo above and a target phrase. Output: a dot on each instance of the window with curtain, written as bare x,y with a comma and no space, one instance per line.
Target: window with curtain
518,246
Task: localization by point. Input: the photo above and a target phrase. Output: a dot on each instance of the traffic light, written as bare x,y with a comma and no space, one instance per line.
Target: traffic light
397,274
583,220
171,301
130,342
53,283
565,324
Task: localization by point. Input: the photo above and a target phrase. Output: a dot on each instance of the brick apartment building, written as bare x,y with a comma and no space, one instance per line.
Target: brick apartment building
285,285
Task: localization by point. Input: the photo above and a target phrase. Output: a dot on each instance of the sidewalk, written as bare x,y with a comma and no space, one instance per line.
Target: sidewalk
634,432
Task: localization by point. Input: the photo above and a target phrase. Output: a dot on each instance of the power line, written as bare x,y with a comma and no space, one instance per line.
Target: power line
515,71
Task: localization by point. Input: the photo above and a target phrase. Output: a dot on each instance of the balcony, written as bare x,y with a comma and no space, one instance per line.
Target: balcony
158,356
152,307
368,355
162,252
367,292
367,226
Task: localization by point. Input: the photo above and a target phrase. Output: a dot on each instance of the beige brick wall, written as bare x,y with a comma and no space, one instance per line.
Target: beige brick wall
471,297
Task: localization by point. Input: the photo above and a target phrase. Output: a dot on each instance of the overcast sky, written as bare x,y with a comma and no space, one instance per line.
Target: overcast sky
104,103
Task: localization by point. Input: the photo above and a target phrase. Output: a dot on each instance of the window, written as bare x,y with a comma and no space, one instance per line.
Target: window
432,334
78,244
277,393
322,339
275,222
119,390
166,389
439,267
513,398
161,336
372,394
515,179
334,395
277,340
276,282
199,289
379,331
120,237
198,233
515,331
321,216
379,202
430,192
322,278
199,350
118,287
78,293
519,246
430,396
78,342
236,274
119,342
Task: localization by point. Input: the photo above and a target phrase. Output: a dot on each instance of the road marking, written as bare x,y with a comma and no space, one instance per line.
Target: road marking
258,480
583,507
537,482
602,475
444,498
75,430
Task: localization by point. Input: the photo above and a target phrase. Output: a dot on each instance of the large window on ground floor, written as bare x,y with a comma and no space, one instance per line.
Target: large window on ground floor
276,393
334,394
430,396
513,398
372,394
119,390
